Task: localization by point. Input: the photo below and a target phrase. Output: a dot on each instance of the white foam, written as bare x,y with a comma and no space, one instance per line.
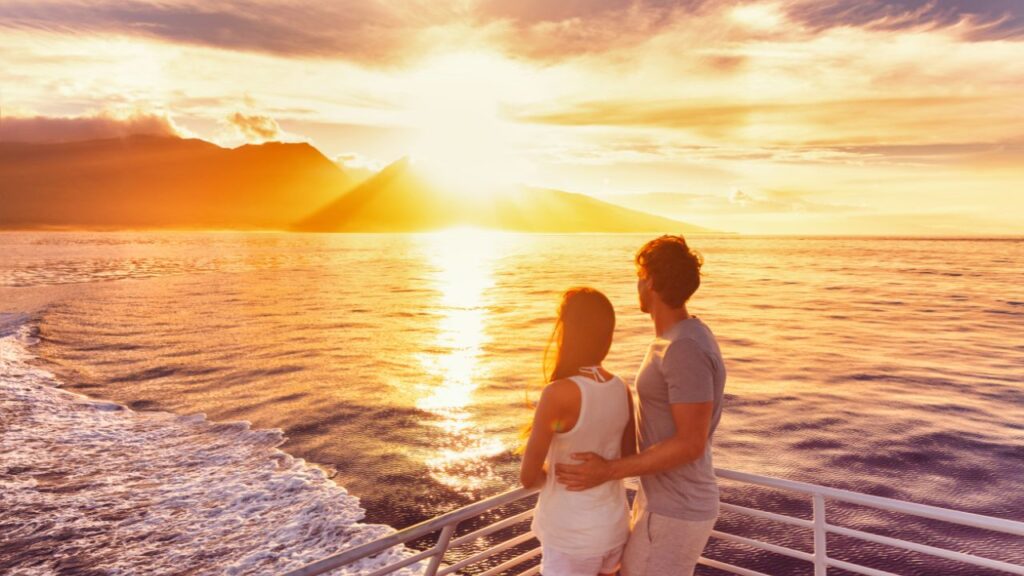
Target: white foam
94,486
11,323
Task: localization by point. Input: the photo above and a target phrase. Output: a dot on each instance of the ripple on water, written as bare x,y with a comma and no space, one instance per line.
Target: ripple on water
847,364
86,483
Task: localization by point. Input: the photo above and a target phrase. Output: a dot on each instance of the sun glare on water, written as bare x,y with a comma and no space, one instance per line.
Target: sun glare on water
456,109
463,266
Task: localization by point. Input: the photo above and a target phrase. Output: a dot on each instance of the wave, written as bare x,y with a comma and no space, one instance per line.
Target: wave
94,487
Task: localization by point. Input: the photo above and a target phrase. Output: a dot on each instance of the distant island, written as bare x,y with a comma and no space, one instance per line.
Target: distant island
401,198
167,182
163,182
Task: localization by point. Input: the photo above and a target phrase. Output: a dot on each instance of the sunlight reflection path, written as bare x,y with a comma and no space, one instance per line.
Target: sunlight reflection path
464,266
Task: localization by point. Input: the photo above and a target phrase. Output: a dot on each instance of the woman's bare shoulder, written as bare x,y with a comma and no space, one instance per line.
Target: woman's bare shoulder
562,390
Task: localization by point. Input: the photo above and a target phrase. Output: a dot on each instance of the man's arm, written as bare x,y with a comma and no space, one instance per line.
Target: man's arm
690,381
692,421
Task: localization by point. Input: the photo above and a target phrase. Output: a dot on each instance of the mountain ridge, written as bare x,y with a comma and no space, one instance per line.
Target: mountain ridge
143,182
400,198
162,182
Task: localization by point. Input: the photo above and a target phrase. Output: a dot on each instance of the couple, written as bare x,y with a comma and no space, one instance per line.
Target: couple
583,441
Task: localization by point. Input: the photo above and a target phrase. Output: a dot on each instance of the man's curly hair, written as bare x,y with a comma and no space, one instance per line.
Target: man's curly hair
673,268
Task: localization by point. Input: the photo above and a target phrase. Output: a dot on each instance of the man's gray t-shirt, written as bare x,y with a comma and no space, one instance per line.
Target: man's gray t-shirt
683,365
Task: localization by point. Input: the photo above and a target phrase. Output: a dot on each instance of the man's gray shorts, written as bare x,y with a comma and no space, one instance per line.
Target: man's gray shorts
663,546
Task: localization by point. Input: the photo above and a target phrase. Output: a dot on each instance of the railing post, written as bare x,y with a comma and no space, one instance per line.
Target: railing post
442,547
820,536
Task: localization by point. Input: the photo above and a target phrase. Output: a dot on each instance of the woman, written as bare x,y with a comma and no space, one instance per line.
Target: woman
584,408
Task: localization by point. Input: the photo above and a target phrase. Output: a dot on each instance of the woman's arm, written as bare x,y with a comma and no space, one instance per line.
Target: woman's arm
629,446
547,419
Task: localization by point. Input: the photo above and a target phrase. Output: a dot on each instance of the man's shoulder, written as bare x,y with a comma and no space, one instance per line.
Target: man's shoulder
692,327
694,334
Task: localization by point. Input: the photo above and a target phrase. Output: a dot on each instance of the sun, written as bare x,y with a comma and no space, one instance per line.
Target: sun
461,135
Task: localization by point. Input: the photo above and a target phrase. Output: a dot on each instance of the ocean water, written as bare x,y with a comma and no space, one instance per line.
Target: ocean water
282,395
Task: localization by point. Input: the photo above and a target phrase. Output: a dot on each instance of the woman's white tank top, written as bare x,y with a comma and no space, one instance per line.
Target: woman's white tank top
593,521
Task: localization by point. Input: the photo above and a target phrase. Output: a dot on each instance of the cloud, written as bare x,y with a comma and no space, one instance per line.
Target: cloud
736,205
705,116
938,153
357,166
982,19
91,127
363,30
545,11
547,30
773,201
825,124
369,31
356,161
381,32
255,128
374,32
737,196
797,212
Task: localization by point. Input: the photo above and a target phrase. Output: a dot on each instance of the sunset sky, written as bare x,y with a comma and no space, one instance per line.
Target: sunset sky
794,116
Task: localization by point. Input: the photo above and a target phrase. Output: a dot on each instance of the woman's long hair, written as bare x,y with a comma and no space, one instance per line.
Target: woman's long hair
582,337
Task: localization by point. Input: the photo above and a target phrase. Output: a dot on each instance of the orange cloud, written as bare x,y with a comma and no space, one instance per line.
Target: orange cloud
255,128
829,123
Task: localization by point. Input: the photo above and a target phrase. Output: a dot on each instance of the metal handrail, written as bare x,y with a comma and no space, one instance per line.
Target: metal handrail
448,523
922,510
420,530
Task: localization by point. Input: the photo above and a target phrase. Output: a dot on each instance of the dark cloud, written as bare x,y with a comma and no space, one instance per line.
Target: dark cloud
986,19
361,30
530,12
61,129
369,31
382,32
547,30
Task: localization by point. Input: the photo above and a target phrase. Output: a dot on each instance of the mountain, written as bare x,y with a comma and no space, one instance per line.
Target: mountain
402,198
166,182
151,181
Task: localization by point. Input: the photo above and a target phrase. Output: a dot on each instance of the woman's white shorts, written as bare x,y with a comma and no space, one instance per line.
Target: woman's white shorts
557,563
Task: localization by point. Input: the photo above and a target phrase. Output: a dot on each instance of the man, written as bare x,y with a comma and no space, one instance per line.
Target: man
680,387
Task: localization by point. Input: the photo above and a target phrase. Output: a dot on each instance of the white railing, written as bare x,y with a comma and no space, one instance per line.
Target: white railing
447,524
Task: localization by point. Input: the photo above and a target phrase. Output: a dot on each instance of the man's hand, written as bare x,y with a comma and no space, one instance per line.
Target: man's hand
592,470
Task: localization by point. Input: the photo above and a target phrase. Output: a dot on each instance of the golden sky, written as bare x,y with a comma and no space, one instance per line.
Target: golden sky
790,116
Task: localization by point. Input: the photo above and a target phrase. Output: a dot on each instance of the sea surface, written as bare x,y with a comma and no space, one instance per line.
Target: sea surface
243,403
